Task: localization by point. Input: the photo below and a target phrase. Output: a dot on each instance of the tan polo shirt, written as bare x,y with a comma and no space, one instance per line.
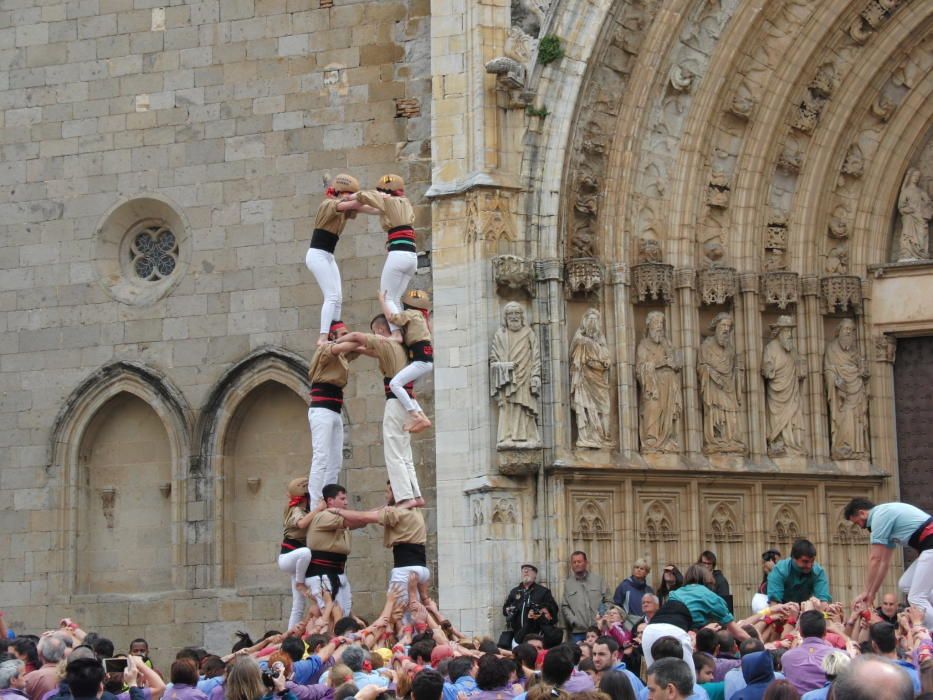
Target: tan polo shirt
389,354
328,532
329,368
413,324
292,531
329,219
402,525
394,211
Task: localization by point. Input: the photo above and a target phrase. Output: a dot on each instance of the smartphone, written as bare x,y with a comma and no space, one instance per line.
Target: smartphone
115,665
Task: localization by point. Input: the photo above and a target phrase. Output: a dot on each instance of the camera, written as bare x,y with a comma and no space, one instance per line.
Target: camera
268,678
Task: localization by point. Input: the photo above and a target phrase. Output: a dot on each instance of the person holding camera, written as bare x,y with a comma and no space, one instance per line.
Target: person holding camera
529,608
245,681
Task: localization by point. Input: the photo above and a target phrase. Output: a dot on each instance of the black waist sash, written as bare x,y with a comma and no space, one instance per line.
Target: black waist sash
324,240
290,545
422,351
409,389
409,554
401,238
326,395
327,564
922,539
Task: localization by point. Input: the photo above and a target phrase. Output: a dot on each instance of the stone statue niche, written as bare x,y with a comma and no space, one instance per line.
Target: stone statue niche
660,401
515,380
915,211
720,389
846,374
783,370
589,383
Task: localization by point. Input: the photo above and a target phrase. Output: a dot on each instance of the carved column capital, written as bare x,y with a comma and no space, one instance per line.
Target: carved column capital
685,277
618,273
810,285
748,283
885,348
550,269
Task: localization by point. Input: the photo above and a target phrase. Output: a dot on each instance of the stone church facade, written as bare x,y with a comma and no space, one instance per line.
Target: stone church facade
679,167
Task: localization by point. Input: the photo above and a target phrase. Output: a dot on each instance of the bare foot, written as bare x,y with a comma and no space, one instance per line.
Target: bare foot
301,587
418,425
408,503
419,502
322,340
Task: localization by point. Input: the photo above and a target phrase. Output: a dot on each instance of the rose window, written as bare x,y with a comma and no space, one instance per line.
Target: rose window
154,253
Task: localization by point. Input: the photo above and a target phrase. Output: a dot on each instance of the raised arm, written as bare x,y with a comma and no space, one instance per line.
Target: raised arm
356,519
879,559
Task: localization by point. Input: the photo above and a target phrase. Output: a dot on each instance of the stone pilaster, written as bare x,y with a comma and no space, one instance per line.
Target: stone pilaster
686,335
624,337
551,319
748,341
811,346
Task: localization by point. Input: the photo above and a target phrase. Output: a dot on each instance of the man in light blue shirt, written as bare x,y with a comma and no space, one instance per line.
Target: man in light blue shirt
462,673
892,525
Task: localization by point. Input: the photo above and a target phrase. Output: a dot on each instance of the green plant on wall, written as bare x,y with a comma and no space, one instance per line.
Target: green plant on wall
549,49
536,111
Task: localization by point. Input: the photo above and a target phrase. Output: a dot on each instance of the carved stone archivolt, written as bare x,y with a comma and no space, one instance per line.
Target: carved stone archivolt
841,293
514,272
718,285
653,282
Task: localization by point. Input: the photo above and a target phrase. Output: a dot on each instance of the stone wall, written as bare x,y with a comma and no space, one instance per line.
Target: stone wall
223,118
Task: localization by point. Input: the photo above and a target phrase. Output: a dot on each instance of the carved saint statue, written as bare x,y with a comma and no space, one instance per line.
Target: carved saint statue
589,383
657,368
719,389
515,380
845,372
783,372
916,211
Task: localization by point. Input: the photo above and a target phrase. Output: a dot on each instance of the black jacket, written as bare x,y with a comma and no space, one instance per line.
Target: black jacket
521,601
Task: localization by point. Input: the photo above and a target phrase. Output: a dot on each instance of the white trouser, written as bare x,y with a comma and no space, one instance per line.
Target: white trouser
396,446
653,633
399,577
326,451
409,373
917,582
397,272
296,563
344,596
324,268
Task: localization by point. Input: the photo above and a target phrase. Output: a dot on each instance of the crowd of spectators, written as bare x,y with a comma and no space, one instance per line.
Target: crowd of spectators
682,641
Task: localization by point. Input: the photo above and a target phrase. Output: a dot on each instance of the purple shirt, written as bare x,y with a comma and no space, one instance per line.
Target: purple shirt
180,691
503,693
723,666
578,682
803,665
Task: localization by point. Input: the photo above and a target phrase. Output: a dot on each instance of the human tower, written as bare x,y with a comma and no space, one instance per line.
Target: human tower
400,341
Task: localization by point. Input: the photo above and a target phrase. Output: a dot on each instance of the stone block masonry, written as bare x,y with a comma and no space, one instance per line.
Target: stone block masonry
232,113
